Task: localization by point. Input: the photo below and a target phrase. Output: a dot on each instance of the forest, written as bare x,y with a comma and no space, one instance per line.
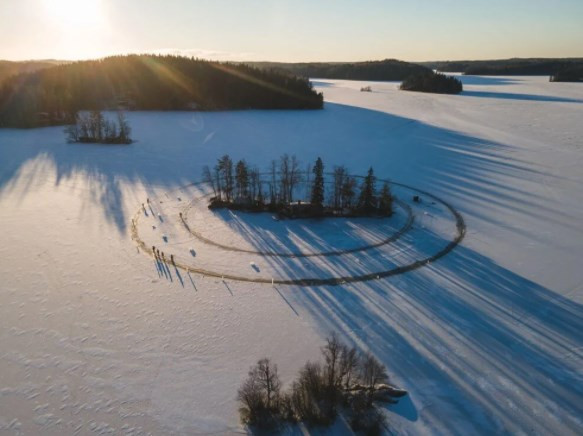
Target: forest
432,82
13,68
291,192
385,70
571,74
509,67
53,96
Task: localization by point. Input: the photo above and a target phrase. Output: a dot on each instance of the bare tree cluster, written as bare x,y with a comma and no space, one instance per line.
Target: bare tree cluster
94,127
347,382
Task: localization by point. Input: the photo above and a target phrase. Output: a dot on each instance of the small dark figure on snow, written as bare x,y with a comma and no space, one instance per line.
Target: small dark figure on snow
172,258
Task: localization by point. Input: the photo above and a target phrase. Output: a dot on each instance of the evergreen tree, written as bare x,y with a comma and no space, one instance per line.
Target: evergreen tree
317,197
242,179
367,199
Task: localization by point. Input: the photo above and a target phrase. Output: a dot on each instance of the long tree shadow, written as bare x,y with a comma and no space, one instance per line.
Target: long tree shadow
517,96
109,177
481,349
470,340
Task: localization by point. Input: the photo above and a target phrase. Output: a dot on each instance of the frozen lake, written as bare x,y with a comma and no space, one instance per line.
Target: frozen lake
487,340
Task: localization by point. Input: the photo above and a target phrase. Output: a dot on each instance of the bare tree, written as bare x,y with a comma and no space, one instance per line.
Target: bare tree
284,174
348,365
332,352
207,177
339,176
372,372
250,396
295,177
268,381
273,184
348,191
254,183
259,394
224,171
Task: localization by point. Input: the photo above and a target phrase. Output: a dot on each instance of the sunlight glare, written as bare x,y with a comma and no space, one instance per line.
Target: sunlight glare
74,13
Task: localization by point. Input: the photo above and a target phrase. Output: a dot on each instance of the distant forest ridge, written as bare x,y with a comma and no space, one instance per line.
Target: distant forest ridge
52,96
14,68
386,70
509,67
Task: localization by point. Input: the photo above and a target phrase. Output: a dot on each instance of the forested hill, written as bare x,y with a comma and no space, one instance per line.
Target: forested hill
389,69
508,67
11,68
144,82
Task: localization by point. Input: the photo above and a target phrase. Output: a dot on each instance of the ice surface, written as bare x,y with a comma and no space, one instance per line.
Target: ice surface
488,340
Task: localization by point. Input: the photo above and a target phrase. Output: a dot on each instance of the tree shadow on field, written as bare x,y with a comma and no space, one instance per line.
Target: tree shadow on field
169,154
480,349
517,96
487,80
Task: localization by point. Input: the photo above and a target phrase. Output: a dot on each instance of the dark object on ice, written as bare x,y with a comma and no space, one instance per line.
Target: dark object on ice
172,258
416,199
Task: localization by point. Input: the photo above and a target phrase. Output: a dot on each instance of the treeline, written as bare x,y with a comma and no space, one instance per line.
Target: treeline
388,69
347,382
432,82
244,187
572,74
144,82
508,67
10,68
94,127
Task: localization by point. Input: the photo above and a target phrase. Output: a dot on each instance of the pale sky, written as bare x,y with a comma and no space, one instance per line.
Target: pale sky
292,30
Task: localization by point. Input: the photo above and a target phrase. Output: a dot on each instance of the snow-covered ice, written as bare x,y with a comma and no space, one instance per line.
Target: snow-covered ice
487,340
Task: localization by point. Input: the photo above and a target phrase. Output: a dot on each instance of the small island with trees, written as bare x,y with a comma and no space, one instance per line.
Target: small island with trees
292,193
348,383
432,82
94,127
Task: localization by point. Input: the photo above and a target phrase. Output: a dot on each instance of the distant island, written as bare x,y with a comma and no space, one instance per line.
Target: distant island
560,69
432,82
54,95
386,70
571,74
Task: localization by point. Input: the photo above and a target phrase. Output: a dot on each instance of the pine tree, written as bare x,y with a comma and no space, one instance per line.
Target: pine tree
317,198
242,179
386,200
367,199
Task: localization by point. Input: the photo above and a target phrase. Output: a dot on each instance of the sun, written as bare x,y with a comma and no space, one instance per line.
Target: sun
74,13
